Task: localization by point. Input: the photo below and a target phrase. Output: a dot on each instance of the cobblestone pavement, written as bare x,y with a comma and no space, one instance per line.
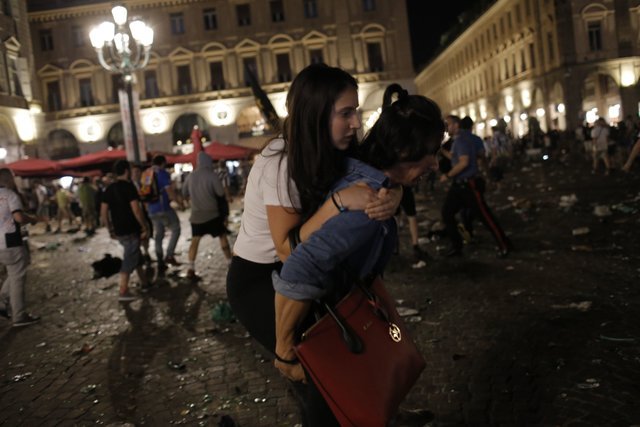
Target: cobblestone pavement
548,336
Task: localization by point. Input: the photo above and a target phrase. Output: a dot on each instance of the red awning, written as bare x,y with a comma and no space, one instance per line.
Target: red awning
93,159
216,150
34,167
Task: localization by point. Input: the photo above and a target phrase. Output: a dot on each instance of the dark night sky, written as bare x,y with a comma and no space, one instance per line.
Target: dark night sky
428,20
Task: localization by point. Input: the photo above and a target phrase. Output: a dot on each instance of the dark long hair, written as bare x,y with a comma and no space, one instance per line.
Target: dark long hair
406,131
314,163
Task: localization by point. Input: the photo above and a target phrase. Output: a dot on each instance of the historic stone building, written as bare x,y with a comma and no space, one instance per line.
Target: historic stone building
196,74
16,93
557,62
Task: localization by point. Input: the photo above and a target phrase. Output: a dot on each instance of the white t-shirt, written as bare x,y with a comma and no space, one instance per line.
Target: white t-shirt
267,186
9,203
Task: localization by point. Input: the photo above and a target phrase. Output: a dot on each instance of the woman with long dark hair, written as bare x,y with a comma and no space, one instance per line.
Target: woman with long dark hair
287,186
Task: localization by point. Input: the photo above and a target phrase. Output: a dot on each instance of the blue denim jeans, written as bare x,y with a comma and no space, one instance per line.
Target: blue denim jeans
161,220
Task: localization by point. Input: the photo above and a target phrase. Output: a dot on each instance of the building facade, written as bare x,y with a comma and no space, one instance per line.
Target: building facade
17,108
552,63
196,74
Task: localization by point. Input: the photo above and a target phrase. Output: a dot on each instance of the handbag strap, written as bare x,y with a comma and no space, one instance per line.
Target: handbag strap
351,339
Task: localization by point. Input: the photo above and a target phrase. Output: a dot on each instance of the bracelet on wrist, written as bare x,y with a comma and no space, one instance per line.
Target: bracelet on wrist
341,208
293,361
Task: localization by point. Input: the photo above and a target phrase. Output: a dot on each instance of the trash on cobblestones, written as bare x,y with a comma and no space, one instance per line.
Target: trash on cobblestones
20,377
86,348
419,264
621,207
413,319
207,398
91,388
582,248
260,399
615,339
222,312
423,240
589,383
580,231
176,366
601,211
516,292
51,246
567,202
581,306
405,311
42,344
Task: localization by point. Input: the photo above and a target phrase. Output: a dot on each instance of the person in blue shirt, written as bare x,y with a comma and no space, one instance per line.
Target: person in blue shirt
466,227
399,149
466,190
163,216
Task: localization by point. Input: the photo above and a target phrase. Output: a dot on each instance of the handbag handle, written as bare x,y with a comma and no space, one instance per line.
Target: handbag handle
351,339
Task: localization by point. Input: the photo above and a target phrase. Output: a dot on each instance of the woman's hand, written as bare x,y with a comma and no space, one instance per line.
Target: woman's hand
385,204
357,196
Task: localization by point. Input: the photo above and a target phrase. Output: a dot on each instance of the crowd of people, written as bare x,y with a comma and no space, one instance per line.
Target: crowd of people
316,203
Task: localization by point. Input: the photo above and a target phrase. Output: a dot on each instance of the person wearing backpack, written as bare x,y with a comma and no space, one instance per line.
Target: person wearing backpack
161,213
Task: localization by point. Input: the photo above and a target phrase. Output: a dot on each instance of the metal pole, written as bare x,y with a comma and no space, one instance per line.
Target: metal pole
132,120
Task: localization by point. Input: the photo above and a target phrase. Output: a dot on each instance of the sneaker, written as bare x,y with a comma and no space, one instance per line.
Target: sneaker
26,320
126,297
171,260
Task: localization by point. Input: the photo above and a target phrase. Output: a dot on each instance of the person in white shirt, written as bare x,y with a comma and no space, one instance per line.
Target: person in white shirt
13,253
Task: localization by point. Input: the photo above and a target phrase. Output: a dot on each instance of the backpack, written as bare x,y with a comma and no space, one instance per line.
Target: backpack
149,192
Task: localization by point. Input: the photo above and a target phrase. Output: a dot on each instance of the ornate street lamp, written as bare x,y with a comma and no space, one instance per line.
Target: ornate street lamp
123,49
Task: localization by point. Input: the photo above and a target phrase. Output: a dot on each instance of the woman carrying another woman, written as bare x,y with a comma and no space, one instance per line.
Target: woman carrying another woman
287,186
400,148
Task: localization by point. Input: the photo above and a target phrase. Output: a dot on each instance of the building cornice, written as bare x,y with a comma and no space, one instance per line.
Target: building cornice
101,9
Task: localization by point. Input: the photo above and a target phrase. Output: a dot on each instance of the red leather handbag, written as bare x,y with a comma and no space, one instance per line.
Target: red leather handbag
361,357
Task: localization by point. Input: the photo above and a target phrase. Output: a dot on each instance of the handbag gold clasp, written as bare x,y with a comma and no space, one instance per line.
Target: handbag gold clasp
394,332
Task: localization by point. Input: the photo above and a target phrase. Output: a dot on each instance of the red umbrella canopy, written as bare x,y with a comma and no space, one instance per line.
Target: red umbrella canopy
92,159
216,150
219,151
34,167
